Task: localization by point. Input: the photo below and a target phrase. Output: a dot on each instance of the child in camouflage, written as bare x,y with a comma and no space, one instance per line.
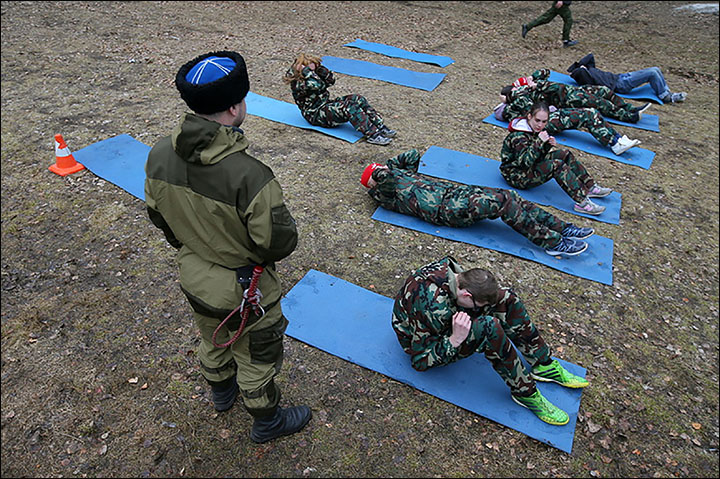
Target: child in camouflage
538,87
562,119
309,81
528,159
398,186
444,313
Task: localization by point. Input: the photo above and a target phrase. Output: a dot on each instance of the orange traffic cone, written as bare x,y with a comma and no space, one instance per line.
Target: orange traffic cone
65,163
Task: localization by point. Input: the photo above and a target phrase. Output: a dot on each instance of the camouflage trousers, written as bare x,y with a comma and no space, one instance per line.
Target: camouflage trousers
495,336
603,100
525,217
582,119
560,165
254,359
550,14
352,108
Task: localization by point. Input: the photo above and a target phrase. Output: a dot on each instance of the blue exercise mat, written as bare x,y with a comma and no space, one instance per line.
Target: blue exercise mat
396,52
289,113
354,324
476,170
584,141
594,264
399,76
119,160
643,92
647,122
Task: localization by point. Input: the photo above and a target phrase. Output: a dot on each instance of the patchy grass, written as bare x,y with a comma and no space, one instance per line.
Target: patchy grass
90,292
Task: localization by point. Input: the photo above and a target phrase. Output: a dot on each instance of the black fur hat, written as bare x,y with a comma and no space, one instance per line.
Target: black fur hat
217,95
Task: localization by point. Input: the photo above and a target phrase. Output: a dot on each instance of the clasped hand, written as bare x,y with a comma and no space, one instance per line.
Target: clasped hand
461,324
545,136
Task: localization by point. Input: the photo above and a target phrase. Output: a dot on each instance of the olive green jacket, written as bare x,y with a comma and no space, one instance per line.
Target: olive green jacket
222,208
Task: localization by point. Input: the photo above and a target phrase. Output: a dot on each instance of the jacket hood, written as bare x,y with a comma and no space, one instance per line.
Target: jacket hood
520,124
197,140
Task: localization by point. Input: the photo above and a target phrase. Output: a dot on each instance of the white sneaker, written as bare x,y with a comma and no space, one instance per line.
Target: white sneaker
623,144
643,109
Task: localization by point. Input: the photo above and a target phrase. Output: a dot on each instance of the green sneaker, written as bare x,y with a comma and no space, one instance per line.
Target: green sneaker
543,409
553,372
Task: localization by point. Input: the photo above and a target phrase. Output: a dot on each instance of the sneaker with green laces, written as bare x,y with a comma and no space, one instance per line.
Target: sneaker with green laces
543,409
553,372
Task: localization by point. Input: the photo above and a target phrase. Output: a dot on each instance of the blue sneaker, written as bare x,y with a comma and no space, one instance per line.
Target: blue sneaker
567,247
575,232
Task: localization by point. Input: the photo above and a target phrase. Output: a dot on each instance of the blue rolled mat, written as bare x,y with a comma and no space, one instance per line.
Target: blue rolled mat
476,170
119,160
584,141
396,52
399,76
289,113
643,92
594,264
354,324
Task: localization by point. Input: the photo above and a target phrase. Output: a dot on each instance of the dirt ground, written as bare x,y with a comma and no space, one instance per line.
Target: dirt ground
99,372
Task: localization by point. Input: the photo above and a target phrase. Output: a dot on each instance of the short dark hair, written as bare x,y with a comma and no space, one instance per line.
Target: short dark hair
481,283
506,90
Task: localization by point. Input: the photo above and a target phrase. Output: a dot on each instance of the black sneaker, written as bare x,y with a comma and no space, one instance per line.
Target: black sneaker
569,43
524,30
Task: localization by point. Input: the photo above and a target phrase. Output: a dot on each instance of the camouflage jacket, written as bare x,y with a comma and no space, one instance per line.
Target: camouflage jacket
423,312
400,188
311,93
521,149
521,99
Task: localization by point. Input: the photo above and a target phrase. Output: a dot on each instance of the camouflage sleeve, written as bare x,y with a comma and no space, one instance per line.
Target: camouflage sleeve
409,160
422,319
527,149
384,190
542,74
311,83
519,106
325,74
431,327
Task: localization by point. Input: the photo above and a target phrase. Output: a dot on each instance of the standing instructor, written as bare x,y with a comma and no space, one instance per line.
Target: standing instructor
224,212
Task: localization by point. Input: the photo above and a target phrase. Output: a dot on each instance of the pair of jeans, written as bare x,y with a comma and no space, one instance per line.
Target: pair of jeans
627,81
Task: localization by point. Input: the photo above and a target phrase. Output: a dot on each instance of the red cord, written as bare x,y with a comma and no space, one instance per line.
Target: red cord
248,294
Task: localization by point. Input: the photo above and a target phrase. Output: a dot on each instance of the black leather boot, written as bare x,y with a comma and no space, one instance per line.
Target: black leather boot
282,423
224,393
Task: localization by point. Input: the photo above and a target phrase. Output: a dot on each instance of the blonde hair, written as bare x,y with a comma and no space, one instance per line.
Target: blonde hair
303,60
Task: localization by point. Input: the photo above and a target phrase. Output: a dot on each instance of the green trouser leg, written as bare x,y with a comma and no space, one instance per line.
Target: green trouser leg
582,119
528,219
561,166
353,108
499,350
566,15
257,353
546,17
550,14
